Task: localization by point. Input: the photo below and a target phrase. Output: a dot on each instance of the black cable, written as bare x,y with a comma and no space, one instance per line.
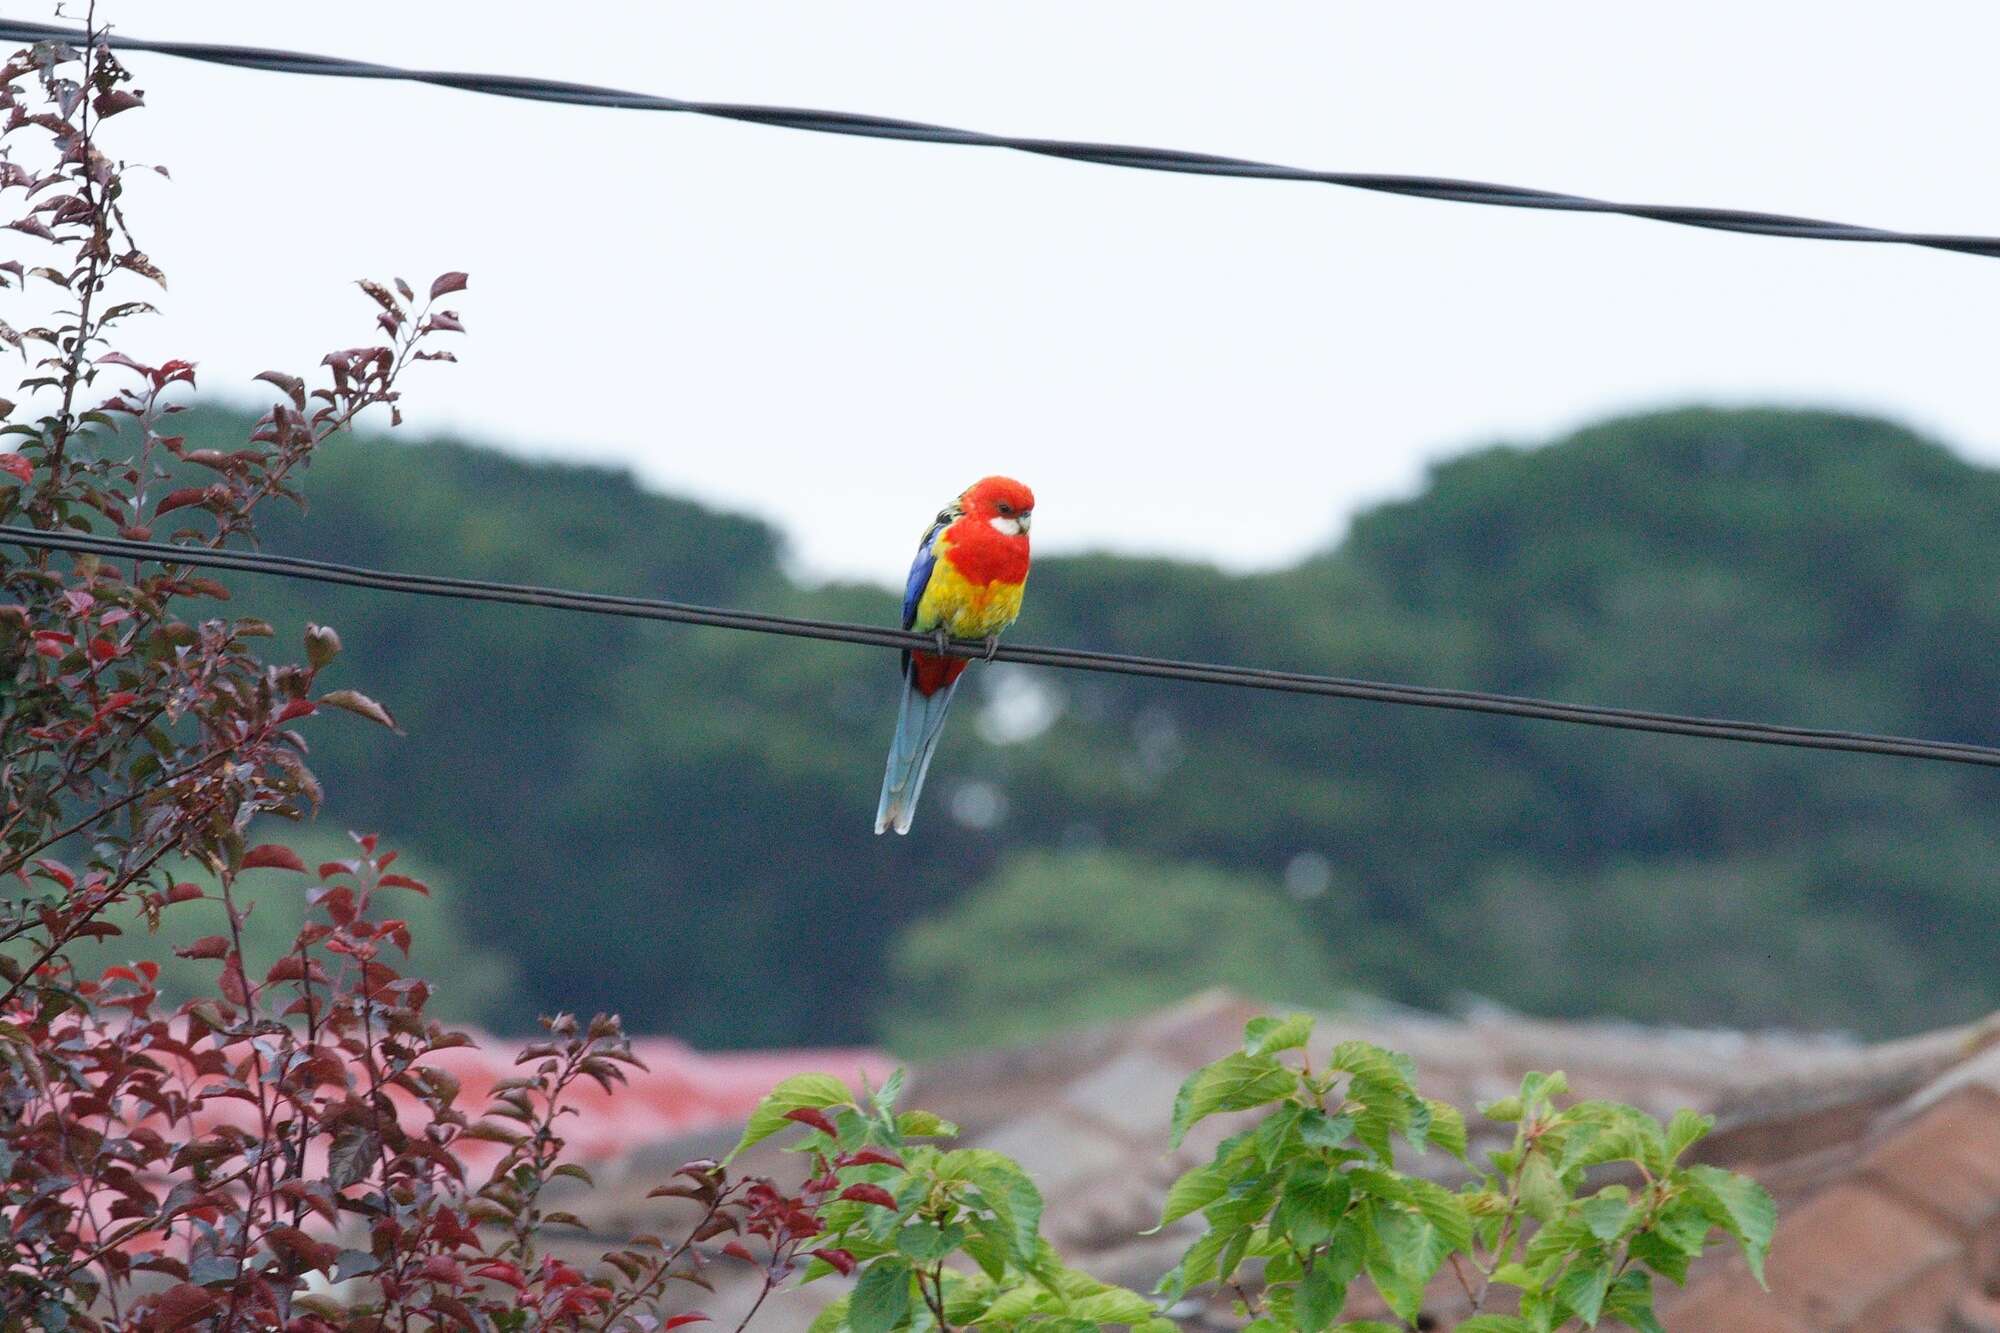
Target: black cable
1117,155
645,608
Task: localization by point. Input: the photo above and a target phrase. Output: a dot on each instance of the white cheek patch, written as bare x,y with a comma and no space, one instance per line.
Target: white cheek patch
1006,527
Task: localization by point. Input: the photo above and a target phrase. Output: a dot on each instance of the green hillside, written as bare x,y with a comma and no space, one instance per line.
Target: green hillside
675,822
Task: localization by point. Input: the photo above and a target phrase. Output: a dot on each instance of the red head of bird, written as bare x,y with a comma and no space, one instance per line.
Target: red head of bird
1001,503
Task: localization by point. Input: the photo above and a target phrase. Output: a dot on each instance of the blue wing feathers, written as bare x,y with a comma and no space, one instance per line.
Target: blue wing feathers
920,573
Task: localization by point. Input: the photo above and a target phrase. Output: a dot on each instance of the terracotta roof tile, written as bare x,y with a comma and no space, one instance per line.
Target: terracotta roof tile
1735,1304
1948,1158
1851,1251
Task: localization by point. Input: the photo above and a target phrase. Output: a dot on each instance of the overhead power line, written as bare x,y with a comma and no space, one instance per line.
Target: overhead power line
1107,154
1290,682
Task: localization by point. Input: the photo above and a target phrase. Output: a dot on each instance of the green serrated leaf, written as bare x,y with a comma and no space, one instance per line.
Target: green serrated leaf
1740,1206
1315,1198
1233,1083
1559,1239
1630,1302
881,1299
1542,1192
1317,1129
924,1125
1684,1130
884,1098
1320,1295
796,1093
1445,1211
1663,1256
1114,1305
1447,1129
1268,1036
1199,1264
1540,1087
1367,1060
1582,1291
926,1242
1607,1213
1194,1191
1399,1258
1275,1134
1020,1301
1006,1192
989,1249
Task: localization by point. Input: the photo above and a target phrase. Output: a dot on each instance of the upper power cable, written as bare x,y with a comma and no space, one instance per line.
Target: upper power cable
1107,154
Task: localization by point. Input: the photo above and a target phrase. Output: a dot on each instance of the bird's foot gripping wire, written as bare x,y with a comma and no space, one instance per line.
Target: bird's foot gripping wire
992,647
943,640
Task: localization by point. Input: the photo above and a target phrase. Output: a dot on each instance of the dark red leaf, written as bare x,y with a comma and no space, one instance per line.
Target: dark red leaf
114,100
181,1305
736,1249
180,499
446,284
208,946
813,1116
841,1260
18,466
871,1157
874,1194
680,1319
274,856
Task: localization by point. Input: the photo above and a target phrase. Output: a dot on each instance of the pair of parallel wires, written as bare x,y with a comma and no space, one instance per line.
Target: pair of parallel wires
1120,155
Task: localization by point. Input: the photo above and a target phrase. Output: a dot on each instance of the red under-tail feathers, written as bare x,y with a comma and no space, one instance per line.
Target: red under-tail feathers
930,673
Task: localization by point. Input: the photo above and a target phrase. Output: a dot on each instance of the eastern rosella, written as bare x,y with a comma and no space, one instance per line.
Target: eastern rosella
965,583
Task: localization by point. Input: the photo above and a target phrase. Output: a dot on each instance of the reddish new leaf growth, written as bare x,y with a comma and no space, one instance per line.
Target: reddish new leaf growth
812,1116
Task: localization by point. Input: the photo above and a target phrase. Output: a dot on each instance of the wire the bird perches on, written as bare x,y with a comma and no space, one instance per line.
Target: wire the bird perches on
1074,659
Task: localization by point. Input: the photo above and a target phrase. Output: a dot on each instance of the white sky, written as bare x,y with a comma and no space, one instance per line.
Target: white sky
840,334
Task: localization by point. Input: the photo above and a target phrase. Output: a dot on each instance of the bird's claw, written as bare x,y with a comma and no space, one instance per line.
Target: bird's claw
992,647
943,640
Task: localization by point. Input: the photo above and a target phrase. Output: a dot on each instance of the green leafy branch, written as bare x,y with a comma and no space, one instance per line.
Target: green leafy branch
936,1238
1312,1193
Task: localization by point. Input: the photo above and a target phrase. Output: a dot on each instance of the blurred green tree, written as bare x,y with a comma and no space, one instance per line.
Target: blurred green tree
1055,939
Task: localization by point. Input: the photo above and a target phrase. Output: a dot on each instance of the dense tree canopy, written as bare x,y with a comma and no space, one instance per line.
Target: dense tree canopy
606,792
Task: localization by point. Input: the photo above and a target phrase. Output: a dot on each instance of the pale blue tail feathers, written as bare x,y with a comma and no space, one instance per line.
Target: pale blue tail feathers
919,722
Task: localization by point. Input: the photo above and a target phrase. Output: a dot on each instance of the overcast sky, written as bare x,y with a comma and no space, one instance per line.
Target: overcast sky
840,334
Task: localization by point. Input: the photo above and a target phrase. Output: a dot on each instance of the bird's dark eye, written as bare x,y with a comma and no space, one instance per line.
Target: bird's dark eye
1006,508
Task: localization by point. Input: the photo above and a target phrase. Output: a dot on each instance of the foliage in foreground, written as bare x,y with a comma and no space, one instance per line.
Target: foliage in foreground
1567,1225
